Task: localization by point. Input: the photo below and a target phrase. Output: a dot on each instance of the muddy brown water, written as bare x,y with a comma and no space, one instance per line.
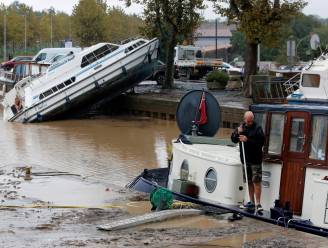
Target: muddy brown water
113,149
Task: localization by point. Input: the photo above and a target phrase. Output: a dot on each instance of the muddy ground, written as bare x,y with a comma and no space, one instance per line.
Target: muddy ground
41,213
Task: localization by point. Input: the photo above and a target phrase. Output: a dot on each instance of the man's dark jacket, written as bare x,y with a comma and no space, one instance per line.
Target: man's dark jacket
253,145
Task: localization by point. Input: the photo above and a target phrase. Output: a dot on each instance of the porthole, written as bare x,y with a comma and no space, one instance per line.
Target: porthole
210,180
184,171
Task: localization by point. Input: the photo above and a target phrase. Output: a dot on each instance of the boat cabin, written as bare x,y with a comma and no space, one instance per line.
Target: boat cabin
295,153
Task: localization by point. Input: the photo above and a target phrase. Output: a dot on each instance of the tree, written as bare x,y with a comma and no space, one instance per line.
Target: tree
122,26
89,20
173,21
260,21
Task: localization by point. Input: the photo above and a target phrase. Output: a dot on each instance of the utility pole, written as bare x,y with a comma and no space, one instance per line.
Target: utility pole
51,30
25,34
4,36
216,38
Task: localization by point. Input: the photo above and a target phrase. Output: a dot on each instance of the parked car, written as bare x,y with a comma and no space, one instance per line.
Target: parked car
8,65
158,73
229,68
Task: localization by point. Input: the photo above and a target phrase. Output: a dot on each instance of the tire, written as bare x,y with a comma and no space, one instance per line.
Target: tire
160,78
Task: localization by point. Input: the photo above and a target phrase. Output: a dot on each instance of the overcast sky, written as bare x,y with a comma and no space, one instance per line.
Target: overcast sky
315,7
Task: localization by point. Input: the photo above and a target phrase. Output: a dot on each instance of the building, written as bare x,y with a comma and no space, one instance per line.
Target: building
205,37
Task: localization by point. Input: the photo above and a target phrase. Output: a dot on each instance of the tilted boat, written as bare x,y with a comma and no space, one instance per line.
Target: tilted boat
101,71
295,165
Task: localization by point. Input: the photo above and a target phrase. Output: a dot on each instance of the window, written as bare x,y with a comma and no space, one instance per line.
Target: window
189,54
319,137
184,171
97,54
297,137
311,80
47,93
68,82
60,86
41,57
276,134
260,119
210,180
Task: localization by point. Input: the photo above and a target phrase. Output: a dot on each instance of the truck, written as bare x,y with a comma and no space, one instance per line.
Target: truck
190,63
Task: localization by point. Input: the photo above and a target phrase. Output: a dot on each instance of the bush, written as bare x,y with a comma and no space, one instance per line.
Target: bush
217,80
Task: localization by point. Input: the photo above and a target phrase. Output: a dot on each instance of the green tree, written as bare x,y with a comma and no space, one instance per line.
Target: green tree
261,22
89,20
172,21
122,26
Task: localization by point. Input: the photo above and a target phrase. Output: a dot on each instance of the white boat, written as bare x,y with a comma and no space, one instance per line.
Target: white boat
295,165
102,70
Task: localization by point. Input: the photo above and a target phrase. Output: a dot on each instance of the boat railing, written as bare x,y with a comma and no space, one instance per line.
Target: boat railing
10,77
292,84
267,89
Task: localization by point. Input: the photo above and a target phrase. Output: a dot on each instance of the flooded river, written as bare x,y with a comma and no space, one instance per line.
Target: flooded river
110,149
114,149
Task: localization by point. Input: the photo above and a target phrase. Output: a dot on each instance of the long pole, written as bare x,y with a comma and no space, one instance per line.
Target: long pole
25,33
4,37
245,168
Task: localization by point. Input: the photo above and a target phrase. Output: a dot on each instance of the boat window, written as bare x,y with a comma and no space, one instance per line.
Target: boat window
260,119
54,89
297,137
319,137
311,80
60,86
68,82
276,134
41,57
184,172
210,180
47,93
97,54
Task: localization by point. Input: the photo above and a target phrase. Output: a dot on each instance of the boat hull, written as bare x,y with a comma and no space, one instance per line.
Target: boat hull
157,178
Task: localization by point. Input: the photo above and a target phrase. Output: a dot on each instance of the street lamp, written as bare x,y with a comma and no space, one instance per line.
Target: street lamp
51,29
25,32
291,50
4,35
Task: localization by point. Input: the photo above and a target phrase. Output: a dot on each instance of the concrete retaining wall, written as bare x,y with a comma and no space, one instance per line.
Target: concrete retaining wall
150,106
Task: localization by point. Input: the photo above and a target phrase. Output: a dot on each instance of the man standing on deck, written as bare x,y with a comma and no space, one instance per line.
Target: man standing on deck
252,135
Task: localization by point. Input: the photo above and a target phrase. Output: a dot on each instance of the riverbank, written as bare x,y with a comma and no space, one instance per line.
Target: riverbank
150,100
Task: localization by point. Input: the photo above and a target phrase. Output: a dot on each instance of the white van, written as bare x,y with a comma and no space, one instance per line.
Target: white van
48,53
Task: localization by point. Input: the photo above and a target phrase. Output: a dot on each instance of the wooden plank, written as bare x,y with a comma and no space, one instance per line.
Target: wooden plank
148,218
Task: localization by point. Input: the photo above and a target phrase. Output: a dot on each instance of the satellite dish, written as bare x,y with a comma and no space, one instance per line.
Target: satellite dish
315,41
188,113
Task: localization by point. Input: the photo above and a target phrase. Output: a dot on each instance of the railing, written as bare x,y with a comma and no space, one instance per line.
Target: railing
268,89
292,84
9,77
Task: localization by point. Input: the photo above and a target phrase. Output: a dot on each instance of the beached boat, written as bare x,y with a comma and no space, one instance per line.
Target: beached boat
101,71
21,70
295,166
